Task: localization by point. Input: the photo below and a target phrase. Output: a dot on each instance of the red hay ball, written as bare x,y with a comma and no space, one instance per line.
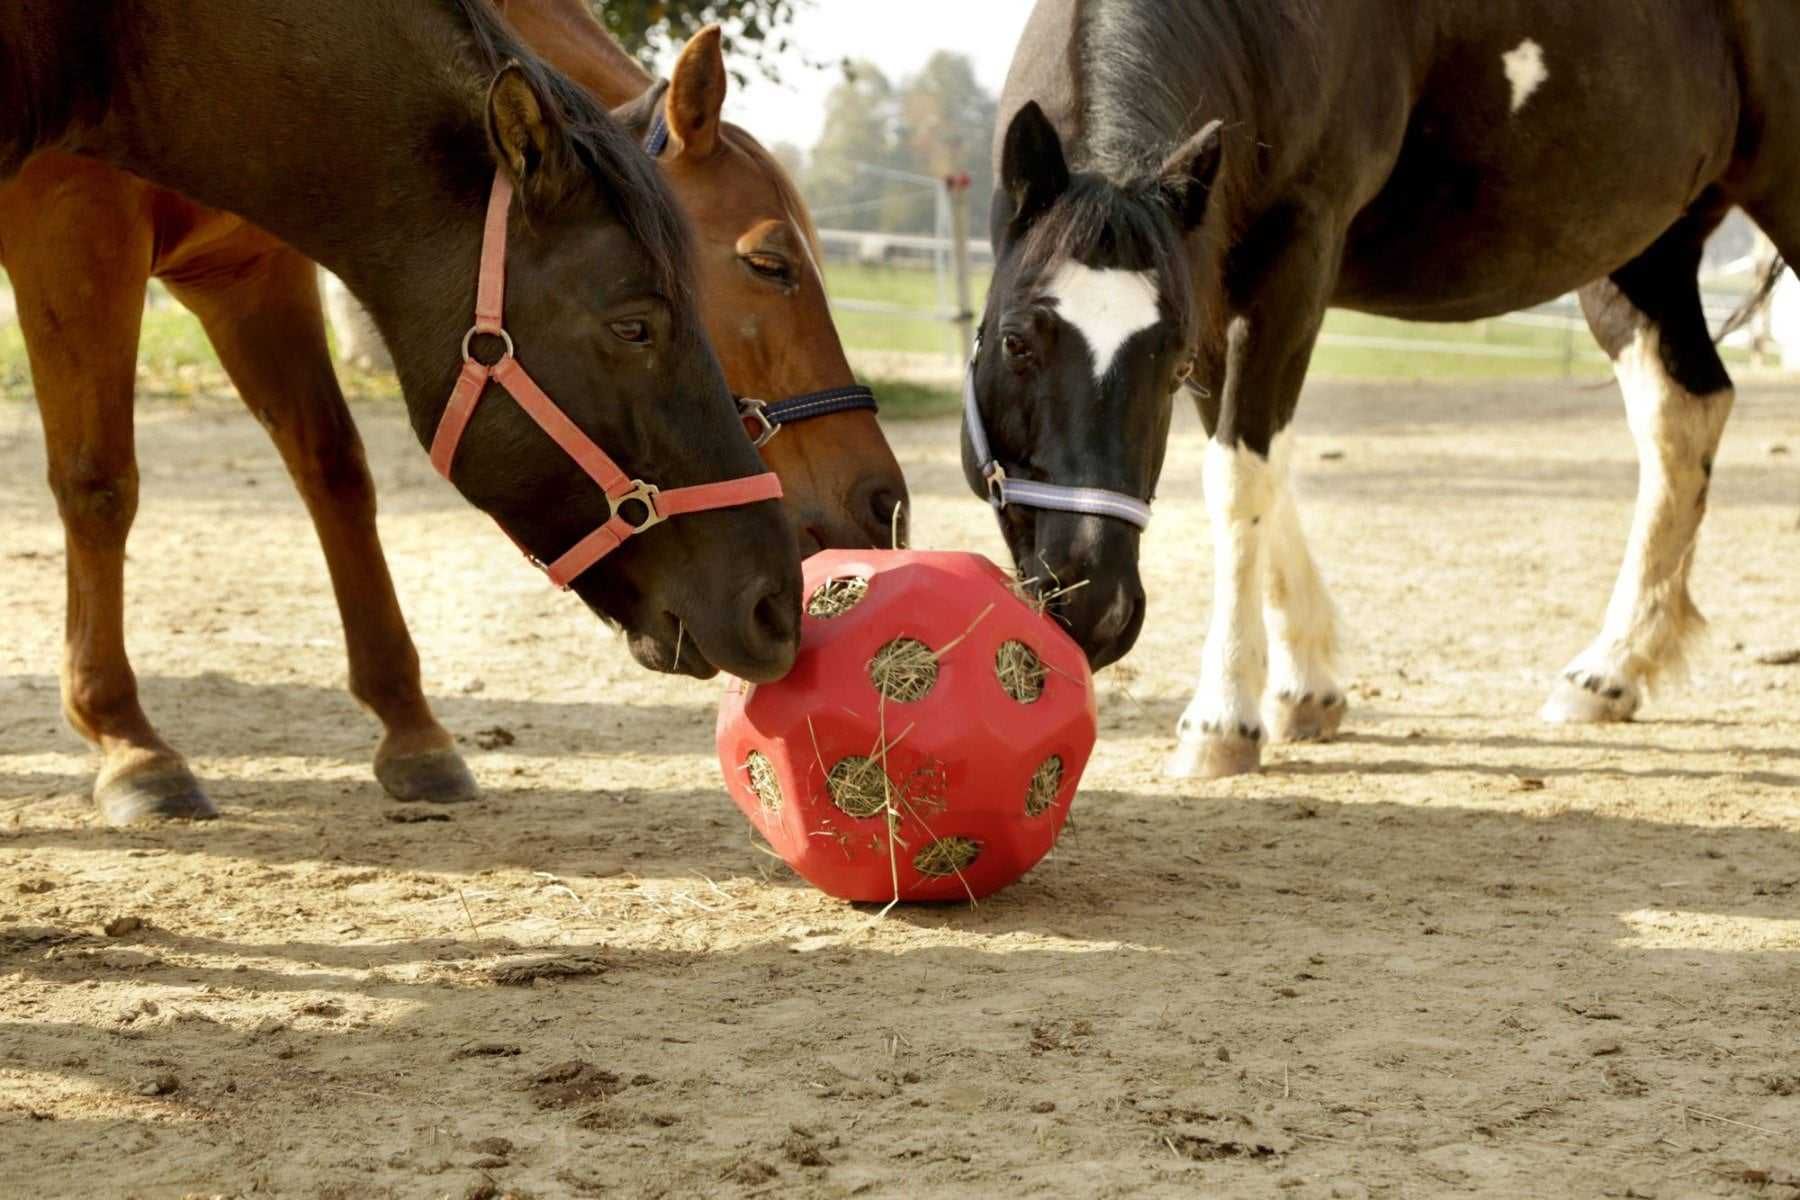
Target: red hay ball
929,740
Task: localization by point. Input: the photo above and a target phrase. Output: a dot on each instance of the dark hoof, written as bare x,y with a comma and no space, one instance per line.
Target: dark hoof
435,777
161,793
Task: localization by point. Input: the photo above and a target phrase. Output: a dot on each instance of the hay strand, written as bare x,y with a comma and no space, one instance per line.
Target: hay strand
947,856
859,786
1021,671
763,781
904,670
835,597
1045,783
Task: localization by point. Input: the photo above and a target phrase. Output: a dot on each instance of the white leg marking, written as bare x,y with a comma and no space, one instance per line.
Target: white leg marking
1240,493
1525,70
1303,700
1651,617
1105,307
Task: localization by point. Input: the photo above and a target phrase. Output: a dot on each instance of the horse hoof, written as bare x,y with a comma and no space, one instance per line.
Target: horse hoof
1305,718
1582,699
160,792
1216,756
435,777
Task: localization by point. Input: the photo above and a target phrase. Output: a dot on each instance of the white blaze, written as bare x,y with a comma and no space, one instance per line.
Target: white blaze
1525,70
1105,307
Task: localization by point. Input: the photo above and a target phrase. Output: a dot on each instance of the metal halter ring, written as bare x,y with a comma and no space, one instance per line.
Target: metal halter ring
756,410
476,331
643,493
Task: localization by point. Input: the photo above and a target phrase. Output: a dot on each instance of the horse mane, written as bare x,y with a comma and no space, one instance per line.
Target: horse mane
610,156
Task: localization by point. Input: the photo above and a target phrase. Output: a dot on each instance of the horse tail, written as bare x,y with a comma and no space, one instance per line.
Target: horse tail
1755,302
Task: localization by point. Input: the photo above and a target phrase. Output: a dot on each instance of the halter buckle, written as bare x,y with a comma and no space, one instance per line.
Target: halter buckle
757,411
996,481
475,331
644,494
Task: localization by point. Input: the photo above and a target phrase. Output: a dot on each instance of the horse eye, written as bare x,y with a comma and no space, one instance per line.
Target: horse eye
1014,345
770,266
637,333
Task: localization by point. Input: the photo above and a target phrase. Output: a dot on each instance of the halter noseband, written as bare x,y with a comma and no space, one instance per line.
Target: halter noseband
763,419
654,504
1028,493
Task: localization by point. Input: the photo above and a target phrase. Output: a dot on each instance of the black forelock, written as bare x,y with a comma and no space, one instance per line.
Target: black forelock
1128,227
611,157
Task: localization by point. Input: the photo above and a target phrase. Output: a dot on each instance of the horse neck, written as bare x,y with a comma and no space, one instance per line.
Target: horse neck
372,160
568,36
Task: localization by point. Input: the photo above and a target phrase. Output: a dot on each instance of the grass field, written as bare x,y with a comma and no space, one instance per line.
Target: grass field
176,361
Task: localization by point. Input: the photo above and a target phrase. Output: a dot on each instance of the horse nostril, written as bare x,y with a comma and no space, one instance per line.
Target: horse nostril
774,623
886,519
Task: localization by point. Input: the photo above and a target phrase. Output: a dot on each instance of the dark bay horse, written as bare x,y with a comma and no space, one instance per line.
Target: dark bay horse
379,160
1187,186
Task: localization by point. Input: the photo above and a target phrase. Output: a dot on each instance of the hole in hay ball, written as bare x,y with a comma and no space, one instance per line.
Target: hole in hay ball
1021,671
763,781
835,597
1040,794
904,670
947,856
859,786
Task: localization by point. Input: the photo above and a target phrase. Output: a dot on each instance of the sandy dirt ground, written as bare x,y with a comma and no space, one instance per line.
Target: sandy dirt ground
1456,953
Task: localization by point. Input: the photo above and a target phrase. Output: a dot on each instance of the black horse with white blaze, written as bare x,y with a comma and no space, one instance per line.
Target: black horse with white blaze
1187,185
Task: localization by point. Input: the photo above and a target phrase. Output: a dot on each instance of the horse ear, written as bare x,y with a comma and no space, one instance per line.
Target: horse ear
1032,167
1188,175
697,94
521,126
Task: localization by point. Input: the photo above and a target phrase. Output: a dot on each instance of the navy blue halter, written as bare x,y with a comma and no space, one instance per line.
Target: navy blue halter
768,416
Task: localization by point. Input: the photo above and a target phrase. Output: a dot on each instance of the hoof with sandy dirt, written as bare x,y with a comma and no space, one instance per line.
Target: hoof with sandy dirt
1308,718
1583,698
156,791
434,777
1213,753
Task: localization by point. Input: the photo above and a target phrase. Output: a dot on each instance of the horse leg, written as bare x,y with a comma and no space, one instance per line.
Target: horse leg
261,310
79,276
1304,702
1648,318
1267,352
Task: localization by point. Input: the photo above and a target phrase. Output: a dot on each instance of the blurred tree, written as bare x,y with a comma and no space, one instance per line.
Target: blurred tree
858,134
946,125
651,29
938,122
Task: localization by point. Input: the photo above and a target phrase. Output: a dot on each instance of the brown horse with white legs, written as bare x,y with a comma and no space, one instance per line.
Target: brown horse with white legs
597,301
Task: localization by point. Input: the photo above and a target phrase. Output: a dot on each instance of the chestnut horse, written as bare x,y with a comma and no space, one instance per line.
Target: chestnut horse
435,98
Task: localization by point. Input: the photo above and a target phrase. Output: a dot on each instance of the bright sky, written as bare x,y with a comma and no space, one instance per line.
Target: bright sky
896,36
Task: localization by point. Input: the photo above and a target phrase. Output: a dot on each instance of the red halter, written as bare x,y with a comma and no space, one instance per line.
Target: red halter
620,489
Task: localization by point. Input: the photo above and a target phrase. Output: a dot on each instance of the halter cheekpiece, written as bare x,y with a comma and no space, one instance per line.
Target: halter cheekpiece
763,419
1028,493
634,505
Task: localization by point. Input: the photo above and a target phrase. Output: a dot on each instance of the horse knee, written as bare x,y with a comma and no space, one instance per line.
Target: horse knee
96,500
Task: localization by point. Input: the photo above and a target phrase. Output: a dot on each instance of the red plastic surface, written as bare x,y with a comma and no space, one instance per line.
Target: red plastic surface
959,761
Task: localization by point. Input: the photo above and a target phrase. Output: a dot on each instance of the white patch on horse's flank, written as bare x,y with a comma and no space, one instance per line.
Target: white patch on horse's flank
1651,616
1525,70
1105,306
